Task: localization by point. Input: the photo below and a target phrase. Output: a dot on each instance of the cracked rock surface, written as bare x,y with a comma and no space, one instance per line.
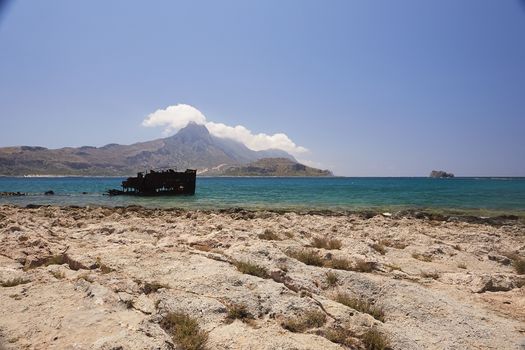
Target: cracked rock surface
104,278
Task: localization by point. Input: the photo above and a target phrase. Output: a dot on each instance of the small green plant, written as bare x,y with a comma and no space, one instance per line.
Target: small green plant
326,243
310,319
251,269
238,312
422,257
360,305
374,340
185,331
308,257
269,235
15,282
331,279
457,247
378,247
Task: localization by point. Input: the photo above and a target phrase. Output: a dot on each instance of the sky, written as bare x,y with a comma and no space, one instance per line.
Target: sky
364,88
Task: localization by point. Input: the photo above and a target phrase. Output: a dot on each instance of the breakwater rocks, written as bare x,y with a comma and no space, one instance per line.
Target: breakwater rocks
132,278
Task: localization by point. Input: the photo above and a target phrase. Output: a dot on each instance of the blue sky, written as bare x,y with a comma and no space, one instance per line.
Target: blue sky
370,88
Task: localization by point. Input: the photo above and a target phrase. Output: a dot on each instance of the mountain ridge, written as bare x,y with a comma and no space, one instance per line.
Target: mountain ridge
191,147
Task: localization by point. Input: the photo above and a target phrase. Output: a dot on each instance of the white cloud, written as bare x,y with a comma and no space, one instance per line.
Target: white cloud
178,116
174,117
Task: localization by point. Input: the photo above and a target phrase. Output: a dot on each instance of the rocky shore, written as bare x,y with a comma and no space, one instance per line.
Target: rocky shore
135,278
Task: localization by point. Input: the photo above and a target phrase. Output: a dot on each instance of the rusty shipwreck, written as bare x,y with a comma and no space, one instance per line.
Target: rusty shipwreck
158,183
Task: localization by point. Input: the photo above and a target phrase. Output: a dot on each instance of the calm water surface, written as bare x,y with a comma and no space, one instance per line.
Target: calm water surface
503,194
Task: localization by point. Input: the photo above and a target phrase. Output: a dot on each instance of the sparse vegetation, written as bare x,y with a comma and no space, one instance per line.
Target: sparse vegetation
340,335
251,269
394,267
430,274
462,265
517,262
269,235
519,266
288,234
422,257
326,243
310,319
103,267
457,247
153,287
185,331
364,266
378,247
238,312
312,257
331,279
15,282
339,264
86,277
393,244
308,257
360,305
374,340
59,275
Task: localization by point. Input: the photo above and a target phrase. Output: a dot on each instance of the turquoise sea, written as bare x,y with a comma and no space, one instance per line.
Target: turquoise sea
337,193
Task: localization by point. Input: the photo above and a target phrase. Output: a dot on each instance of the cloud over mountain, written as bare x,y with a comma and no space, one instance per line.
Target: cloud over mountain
176,117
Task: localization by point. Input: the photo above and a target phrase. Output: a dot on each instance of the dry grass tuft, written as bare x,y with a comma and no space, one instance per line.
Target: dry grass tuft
517,261
153,287
340,335
430,274
326,243
393,244
307,256
364,266
103,267
269,235
288,234
422,257
310,319
374,340
14,282
331,279
59,275
360,305
378,247
86,277
185,331
251,269
238,312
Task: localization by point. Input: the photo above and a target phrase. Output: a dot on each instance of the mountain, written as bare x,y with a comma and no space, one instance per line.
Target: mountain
275,167
192,147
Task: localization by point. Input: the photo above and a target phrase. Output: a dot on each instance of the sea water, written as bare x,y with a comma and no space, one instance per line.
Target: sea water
332,193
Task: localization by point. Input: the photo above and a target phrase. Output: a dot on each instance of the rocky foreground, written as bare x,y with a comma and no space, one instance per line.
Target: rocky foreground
133,278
